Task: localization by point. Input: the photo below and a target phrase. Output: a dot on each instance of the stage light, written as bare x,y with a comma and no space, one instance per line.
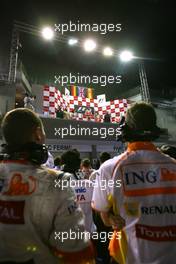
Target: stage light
48,33
126,56
72,41
107,51
89,45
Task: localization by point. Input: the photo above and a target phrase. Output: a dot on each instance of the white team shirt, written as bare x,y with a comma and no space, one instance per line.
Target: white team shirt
84,190
146,199
39,216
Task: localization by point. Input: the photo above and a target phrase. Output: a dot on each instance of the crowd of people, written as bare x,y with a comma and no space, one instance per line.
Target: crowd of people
62,210
87,115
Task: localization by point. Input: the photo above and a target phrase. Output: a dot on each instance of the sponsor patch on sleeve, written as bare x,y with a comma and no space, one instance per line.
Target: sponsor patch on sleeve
12,212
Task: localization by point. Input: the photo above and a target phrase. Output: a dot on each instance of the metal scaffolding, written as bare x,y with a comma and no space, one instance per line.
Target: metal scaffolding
144,84
14,55
15,45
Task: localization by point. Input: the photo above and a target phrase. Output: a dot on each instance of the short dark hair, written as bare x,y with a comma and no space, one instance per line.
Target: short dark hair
57,161
18,126
141,116
71,160
86,162
104,156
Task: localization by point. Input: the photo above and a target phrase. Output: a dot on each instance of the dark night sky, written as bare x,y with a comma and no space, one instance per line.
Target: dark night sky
148,28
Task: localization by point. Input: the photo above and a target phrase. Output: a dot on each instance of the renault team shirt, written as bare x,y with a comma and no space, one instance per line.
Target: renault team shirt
146,199
39,218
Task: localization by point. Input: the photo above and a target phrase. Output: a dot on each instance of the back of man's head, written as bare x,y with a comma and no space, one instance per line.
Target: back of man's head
86,163
20,125
71,160
140,123
141,116
104,156
57,161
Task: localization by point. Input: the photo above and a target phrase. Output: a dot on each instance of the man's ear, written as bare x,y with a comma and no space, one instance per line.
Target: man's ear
39,135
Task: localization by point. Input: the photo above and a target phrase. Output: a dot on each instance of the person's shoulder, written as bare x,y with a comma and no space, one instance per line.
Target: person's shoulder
93,175
48,173
59,174
110,163
94,172
166,158
48,170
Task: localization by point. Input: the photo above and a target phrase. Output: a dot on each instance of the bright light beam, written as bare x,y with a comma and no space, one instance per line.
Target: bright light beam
126,56
47,33
107,51
89,45
72,41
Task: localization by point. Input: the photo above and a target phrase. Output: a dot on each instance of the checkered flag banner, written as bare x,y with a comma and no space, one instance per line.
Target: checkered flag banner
101,99
52,99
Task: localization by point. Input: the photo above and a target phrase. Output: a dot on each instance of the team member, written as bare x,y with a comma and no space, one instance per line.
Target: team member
34,211
83,187
86,168
103,157
107,117
103,256
29,102
71,163
84,190
144,206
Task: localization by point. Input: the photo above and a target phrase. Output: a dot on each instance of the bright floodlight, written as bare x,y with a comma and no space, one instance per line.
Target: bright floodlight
47,33
89,45
107,51
126,56
72,41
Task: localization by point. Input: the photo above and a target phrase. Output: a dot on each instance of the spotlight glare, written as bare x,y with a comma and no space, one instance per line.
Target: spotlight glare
89,45
72,41
126,56
47,33
107,51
